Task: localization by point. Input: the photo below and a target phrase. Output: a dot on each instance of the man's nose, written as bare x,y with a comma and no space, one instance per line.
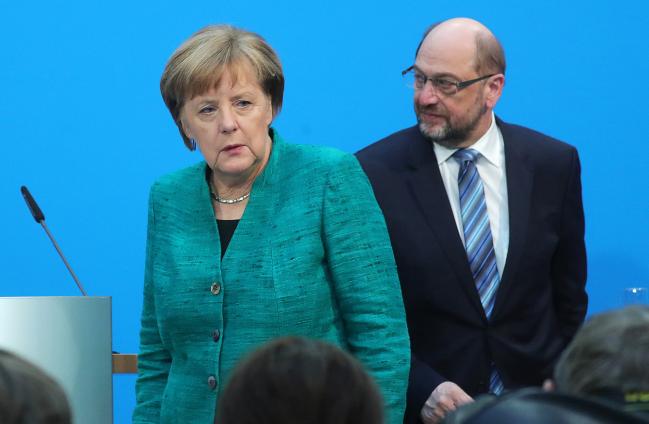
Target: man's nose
427,94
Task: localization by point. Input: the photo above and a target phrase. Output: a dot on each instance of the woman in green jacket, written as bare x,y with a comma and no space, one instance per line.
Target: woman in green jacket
261,239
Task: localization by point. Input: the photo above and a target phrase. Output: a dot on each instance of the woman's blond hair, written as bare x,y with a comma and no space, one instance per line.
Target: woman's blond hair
200,62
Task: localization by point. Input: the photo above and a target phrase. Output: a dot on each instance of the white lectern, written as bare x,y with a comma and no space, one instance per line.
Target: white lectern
70,339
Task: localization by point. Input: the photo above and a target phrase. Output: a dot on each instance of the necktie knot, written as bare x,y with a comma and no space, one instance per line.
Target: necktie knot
466,155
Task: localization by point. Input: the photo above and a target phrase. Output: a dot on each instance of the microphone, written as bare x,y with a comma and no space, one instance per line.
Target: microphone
40,218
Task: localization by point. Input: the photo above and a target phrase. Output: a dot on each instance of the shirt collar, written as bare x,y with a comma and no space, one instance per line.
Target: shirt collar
487,146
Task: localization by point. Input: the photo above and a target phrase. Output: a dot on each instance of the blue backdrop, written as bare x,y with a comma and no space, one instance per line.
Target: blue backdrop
83,125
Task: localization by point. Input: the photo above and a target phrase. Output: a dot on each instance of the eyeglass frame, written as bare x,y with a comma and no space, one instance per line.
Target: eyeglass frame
460,85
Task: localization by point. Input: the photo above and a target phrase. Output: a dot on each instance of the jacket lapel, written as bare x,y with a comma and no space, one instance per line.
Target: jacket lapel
259,210
519,189
427,188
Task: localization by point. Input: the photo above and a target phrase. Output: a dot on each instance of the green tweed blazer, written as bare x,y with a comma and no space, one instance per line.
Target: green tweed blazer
310,257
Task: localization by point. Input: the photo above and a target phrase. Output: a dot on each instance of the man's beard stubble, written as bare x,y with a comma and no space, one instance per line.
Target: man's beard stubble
449,135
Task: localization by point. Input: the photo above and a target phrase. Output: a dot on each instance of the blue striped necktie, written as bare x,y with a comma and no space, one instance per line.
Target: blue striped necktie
477,238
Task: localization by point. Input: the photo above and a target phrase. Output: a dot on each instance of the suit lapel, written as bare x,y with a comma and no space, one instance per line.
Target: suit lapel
519,189
427,188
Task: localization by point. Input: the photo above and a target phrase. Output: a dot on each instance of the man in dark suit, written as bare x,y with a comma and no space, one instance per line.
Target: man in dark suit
487,226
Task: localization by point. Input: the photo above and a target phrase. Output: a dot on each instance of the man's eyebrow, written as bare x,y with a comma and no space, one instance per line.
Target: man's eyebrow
437,75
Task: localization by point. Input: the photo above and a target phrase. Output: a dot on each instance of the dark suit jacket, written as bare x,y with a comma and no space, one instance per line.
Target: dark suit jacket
541,300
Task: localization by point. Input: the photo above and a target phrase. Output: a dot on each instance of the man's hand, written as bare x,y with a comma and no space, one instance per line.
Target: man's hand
445,398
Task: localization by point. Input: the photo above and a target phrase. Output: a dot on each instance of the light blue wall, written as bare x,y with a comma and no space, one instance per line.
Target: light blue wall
83,126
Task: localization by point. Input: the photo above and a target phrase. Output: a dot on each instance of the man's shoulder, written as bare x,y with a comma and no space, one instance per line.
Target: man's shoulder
391,149
532,140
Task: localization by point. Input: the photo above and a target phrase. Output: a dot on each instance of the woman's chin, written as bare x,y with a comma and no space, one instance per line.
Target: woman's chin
234,169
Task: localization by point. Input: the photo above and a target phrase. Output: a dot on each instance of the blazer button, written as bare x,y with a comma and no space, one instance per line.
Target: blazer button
215,289
216,335
211,381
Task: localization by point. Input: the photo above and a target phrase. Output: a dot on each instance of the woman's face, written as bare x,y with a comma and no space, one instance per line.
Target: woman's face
230,125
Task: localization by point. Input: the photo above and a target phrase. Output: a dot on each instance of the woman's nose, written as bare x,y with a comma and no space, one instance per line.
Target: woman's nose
228,121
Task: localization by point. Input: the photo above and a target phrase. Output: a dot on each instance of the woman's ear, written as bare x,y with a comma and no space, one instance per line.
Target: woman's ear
186,130
271,114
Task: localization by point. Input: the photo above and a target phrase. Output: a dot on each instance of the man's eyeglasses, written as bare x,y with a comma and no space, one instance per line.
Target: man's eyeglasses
446,86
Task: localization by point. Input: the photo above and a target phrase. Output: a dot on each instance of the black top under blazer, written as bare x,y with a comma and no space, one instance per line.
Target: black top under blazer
541,300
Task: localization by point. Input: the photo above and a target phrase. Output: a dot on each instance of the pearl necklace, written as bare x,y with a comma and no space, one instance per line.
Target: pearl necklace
229,201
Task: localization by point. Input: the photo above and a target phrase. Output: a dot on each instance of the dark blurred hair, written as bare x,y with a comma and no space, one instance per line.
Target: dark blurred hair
535,406
295,380
28,395
609,354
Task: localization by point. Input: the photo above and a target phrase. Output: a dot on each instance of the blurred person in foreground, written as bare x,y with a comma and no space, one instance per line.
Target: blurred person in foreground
28,395
609,358
532,405
295,381
601,377
487,226
261,239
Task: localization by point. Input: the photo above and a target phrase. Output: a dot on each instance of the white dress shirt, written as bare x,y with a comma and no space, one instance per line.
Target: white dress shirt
491,167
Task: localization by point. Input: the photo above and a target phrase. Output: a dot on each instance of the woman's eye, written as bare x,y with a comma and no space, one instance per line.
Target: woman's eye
242,104
207,109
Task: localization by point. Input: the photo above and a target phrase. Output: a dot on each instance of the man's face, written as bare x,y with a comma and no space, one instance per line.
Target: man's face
460,119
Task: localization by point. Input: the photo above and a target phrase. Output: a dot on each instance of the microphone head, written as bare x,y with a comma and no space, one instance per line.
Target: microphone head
33,206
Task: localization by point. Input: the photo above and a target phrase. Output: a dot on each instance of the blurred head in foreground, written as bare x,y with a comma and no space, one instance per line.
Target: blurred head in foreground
609,357
28,395
296,380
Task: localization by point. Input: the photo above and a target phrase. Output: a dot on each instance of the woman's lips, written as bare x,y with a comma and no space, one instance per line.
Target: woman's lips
234,148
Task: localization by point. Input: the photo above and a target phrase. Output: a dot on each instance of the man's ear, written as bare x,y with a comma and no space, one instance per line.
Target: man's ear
493,90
